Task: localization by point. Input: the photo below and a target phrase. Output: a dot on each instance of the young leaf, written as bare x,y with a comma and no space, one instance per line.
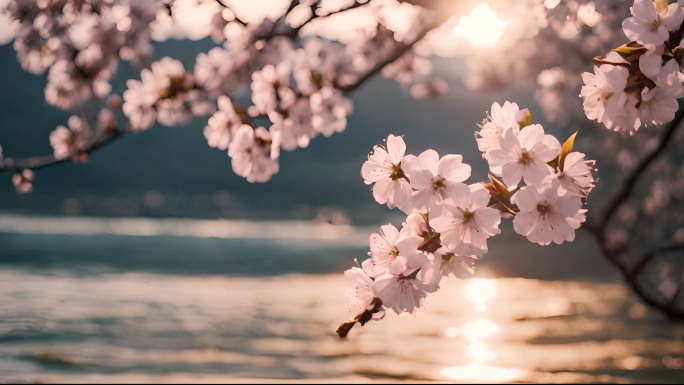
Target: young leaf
526,121
660,5
567,148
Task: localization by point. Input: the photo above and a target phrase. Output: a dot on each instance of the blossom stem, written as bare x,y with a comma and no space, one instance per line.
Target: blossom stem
361,318
37,162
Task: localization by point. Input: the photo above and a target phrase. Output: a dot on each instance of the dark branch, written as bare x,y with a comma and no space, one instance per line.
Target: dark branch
361,318
400,51
630,182
37,162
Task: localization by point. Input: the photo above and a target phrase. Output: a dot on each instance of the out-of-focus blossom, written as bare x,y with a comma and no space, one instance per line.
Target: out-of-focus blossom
23,181
254,153
72,142
648,26
222,124
165,93
329,110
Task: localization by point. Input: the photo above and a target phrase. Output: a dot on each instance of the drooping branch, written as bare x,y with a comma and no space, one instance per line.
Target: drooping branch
399,52
42,161
36,162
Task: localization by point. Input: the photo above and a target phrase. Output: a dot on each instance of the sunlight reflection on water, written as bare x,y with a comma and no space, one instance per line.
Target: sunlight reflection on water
479,292
59,326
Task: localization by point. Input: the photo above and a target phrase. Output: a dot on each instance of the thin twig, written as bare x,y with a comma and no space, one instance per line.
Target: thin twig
44,161
401,50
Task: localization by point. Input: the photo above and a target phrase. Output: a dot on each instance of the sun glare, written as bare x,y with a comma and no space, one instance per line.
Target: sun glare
481,27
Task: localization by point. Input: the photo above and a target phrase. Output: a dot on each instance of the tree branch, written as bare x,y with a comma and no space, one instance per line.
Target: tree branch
401,50
630,182
37,162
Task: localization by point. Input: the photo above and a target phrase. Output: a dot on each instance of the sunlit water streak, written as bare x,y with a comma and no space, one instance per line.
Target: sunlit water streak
291,230
57,326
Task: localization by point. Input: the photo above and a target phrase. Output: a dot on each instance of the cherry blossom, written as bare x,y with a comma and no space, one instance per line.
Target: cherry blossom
71,142
546,215
360,292
524,155
23,181
403,292
659,104
576,177
647,26
460,266
166,93
383,168
329,109
254,153
501,117
433,178
466,221
388,245
222,124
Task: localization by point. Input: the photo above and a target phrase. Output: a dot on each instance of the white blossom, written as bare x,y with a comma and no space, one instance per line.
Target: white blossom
524,155
500,118
659,104
433,178
546,215
605,100
390,244
383,168
254,154
222,124
460,266
360,292
466,221
576,177
401,293
647,26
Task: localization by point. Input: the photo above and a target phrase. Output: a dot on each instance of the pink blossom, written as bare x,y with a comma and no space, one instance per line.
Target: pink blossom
383,168
523,156
546,215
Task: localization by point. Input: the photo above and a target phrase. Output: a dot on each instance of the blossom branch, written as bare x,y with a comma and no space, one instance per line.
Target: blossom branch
37,162
401,50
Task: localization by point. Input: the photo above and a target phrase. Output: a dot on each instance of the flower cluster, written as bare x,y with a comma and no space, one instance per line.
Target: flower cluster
449,222
292,71
166,93
80,43
638,83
